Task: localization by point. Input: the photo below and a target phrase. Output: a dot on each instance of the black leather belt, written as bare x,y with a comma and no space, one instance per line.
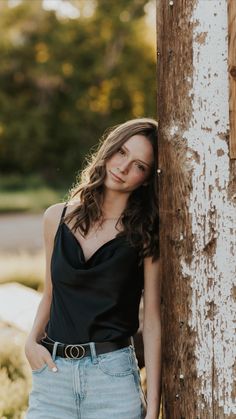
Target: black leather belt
79,350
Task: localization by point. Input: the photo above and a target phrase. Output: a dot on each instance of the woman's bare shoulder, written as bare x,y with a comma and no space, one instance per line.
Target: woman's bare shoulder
52,214
51,218
54,211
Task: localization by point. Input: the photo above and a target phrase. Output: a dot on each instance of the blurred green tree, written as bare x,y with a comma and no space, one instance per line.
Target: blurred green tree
64,81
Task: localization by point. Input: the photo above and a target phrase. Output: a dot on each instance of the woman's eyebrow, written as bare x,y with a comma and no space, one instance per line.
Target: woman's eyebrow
137,159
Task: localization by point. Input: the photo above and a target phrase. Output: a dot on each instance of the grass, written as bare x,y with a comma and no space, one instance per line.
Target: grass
28,200
15,375
28,194
24,268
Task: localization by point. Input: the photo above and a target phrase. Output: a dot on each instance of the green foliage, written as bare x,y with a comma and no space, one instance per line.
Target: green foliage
29,200
14,182
64,81
22,193
15,378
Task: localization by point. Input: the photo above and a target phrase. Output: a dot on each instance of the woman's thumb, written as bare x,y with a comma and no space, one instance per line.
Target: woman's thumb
52,365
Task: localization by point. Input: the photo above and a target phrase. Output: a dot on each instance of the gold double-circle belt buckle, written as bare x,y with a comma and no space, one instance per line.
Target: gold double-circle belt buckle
74,351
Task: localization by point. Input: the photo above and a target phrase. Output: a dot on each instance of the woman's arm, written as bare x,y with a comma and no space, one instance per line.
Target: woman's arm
33,352
152,335
41,319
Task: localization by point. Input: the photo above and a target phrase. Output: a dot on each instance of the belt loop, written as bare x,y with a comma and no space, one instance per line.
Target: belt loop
132,341
54,352
93,352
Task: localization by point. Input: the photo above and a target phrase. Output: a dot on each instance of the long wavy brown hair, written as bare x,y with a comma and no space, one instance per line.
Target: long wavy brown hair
140,218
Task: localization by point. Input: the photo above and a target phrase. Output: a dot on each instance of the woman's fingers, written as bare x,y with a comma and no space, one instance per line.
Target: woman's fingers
51,364
37,356
49,360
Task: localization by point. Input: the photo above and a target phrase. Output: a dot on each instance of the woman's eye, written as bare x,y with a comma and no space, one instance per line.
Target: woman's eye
121,151
141,167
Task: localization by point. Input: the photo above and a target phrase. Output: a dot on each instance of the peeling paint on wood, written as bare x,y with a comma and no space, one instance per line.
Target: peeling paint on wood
213,220
232,75
197,210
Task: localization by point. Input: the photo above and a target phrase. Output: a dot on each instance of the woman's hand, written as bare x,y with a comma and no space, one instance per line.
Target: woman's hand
37,355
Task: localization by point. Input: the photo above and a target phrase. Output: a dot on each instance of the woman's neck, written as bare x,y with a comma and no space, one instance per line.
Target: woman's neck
114,204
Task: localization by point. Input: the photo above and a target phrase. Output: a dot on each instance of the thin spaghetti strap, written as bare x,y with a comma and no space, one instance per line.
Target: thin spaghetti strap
63,212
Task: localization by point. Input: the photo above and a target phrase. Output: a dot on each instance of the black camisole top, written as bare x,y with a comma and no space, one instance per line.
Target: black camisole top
94,300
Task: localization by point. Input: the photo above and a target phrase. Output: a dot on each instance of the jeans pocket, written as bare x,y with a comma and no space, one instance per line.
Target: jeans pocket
39,370
137,382
116,363
140,391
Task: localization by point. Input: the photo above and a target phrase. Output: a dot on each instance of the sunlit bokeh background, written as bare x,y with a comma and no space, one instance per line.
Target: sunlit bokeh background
69,70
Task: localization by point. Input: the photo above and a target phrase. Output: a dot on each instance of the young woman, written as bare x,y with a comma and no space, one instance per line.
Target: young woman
102,252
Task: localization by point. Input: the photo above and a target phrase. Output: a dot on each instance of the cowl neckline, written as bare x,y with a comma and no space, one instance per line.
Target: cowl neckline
106,244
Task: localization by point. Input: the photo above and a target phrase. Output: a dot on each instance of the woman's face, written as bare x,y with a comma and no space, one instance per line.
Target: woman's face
130,166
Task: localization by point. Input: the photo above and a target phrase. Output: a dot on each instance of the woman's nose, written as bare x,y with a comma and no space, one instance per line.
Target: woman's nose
124,167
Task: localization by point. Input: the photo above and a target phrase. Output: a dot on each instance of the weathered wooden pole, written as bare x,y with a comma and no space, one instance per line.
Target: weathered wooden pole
197,210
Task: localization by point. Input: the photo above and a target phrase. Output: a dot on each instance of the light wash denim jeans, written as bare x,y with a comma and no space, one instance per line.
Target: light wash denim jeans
104,386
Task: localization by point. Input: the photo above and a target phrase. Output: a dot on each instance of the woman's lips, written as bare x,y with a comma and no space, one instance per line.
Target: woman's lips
116,178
